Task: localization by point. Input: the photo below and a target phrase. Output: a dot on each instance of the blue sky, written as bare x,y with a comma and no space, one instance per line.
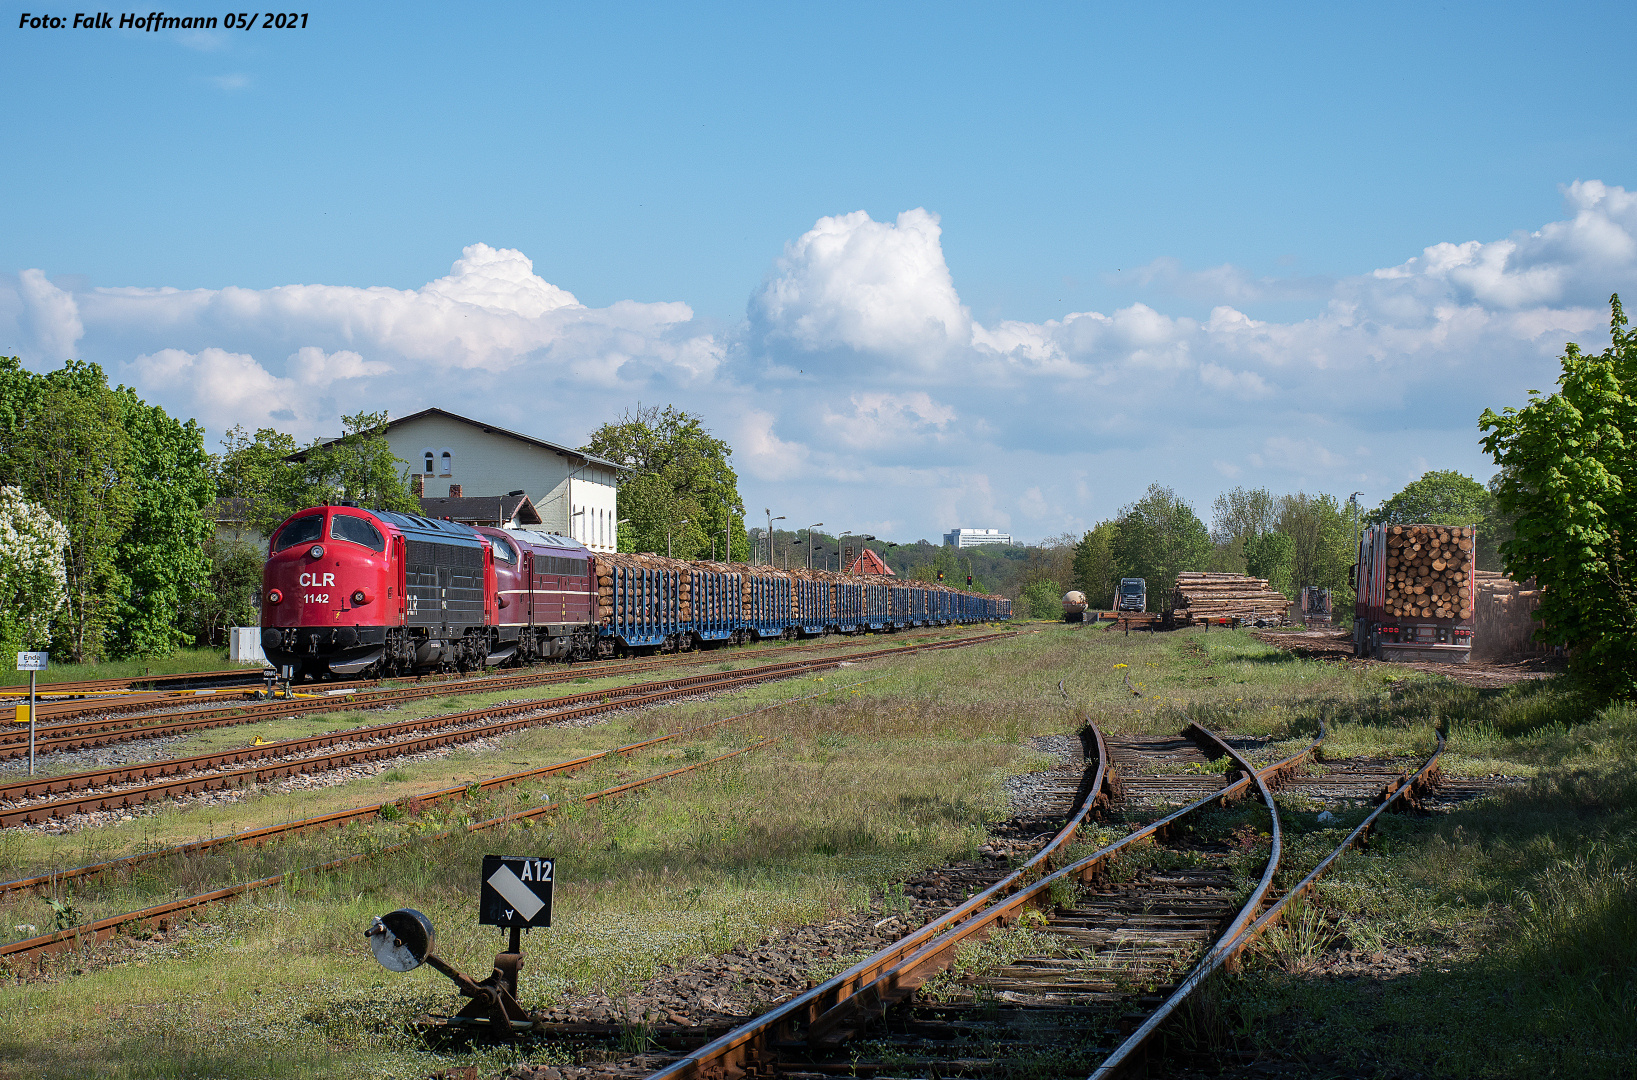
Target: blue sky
713,194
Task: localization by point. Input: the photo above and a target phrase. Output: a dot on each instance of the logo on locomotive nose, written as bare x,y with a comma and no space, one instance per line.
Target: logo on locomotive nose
314,580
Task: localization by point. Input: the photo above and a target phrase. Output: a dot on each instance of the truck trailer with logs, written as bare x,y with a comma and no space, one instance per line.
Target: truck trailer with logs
1414,587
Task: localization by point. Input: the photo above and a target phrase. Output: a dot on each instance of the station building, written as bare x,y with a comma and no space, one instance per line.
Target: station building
458,461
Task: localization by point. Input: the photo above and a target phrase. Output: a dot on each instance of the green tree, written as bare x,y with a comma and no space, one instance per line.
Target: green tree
679,472
1272,557
234,579
1323,544
358,467
75,452
33,578
1569,480
1237,516
161,559
259,470
1096,571
1042,600
1445,497
1159,537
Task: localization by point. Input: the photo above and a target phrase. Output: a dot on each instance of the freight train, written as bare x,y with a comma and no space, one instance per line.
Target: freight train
353,592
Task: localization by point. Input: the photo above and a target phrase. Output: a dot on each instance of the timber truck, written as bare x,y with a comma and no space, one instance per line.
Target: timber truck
1413,589
1132,595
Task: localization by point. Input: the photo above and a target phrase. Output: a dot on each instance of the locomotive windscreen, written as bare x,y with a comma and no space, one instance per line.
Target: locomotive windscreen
357,530
302,530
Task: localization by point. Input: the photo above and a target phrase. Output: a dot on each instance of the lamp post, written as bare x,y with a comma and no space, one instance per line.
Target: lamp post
617,524
668,554
810,529
770,520
727,528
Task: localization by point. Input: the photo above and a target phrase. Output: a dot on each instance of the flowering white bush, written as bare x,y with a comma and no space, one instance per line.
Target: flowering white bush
33,577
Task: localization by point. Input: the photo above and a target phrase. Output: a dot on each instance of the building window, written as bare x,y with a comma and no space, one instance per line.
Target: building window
427,458
446,462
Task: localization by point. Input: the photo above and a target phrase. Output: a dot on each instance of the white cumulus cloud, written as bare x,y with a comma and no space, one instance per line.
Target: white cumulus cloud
876,288
860,389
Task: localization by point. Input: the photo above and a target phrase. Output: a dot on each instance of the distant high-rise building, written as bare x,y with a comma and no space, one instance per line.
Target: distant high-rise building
965,538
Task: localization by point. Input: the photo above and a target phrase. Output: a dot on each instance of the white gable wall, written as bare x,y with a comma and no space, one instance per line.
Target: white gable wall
493,463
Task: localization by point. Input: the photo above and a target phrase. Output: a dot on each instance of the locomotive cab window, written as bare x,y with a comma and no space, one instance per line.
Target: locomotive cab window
503,550
303,530
357,531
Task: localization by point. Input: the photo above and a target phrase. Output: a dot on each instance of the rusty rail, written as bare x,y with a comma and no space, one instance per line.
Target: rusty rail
361,813
101,731
162,915
1406,793
196,779
904,979
835,1007
1229,948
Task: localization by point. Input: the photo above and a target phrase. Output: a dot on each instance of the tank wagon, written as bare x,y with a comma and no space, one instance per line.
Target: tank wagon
349,591
1074,606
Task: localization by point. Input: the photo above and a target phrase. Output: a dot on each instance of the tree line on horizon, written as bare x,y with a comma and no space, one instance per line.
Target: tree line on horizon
1291,541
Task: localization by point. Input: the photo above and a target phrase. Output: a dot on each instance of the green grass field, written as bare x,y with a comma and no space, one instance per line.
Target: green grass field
1511,924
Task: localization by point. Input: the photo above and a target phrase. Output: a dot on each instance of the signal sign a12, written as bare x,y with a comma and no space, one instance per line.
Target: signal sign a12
516,891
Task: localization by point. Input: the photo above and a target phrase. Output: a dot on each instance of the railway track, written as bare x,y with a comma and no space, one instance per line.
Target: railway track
164,916
368,811
181,680
39,799
1107,969
96,728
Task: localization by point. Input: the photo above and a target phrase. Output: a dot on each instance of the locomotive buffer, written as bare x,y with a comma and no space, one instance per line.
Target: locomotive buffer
516,894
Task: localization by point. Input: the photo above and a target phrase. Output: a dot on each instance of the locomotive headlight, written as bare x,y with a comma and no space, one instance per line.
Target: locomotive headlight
358,597
274,596
316,551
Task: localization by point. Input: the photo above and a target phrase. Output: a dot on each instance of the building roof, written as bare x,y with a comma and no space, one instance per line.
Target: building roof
482,509
870,563
492,429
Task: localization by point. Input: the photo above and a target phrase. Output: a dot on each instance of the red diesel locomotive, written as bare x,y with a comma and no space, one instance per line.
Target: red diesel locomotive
348,591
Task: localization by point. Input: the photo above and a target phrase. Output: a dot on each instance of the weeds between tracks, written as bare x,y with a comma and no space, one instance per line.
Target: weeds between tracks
1521,897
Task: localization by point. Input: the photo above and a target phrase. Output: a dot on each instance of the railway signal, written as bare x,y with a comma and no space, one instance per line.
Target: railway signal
516,892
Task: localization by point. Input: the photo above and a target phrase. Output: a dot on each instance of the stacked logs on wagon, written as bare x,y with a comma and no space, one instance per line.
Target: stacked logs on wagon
647,596
1429,570
1200,596
644,595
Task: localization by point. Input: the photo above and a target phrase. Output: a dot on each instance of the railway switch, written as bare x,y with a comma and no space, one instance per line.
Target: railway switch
515,894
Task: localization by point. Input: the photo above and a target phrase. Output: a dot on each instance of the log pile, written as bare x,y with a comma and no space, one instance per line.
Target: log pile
1428,569
640,598
1505,618
1227,596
